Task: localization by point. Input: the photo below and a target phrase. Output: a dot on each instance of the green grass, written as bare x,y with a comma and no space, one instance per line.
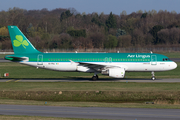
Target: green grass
94,96
18,117
19,71
88,86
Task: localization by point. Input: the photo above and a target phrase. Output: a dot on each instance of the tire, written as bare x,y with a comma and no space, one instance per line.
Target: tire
153,78
94,78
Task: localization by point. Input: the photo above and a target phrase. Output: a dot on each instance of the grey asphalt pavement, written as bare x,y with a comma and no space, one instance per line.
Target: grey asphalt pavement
3,60
92,112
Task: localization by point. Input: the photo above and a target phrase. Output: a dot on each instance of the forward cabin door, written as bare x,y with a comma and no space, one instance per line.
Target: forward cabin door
40,60
153,60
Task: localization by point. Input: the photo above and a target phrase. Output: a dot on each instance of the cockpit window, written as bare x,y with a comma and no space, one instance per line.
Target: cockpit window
166,59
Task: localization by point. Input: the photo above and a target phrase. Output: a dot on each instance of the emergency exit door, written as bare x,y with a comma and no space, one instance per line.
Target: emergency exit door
40,60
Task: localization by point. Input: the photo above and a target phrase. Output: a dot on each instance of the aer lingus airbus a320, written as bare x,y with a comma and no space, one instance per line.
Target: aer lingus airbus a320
112,64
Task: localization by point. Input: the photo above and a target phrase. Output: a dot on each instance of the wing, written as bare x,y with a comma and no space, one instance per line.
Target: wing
96,66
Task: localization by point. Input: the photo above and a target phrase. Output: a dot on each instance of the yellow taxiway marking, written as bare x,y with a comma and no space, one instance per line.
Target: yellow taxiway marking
10,80
17,80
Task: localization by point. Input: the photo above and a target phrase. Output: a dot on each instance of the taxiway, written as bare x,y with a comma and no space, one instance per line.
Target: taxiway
92,112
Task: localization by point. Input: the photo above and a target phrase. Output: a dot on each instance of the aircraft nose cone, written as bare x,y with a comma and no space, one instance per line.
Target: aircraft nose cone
175,66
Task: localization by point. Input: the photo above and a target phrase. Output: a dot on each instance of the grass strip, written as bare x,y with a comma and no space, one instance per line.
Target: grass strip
18,117
89,86
94,96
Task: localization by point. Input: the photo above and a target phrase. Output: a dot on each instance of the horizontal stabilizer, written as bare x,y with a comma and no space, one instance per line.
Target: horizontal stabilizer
15,58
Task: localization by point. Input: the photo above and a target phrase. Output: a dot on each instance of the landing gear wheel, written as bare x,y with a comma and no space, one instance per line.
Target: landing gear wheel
95,77
153,78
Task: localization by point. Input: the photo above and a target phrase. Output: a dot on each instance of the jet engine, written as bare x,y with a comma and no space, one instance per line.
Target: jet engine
114,72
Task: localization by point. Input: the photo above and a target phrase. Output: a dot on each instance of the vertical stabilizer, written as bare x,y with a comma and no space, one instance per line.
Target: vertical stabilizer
21,45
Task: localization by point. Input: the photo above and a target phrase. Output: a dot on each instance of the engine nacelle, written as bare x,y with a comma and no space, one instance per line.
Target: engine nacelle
115,72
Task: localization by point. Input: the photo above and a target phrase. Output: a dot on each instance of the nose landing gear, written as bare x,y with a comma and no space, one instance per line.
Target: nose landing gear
153,76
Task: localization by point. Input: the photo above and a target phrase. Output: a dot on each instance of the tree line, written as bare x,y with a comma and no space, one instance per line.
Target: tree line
68,29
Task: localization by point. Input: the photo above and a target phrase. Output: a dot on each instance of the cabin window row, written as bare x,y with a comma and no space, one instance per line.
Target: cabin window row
105,60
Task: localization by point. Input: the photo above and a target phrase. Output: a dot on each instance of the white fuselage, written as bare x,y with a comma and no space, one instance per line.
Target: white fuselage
129,66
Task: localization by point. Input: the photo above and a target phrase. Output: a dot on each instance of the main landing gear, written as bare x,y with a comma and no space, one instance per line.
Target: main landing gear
153,76
95,77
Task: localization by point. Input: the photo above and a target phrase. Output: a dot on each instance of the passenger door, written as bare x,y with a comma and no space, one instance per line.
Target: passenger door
153,60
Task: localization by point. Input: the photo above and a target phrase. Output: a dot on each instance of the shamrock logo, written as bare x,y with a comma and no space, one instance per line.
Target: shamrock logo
20,41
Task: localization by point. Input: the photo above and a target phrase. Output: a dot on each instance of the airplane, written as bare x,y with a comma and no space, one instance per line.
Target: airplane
112,64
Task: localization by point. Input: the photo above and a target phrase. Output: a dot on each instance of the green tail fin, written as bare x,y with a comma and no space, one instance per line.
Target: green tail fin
19,41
